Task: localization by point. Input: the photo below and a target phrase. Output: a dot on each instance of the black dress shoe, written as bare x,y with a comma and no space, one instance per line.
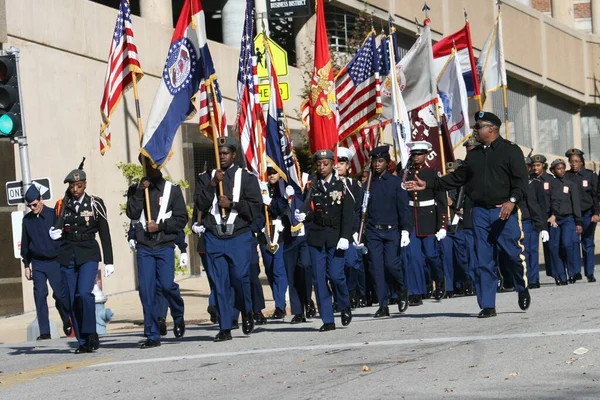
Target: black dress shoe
68,328
346,316
524,299
278,314
578,277
45,336
535,285
298,319
353,300
327,327
83,349
93,341
415,300
591,279
162,326
402,300
440,290
429,291
223,335
383,311
572,280
179,329
311,311
362,302
248,323
260,319
560,282
235,324
487,313
214,314
149,343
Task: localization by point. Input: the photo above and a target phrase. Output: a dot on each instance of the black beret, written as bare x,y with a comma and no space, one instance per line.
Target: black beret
489,117
77,175
574,152
381,152
538,158
227,141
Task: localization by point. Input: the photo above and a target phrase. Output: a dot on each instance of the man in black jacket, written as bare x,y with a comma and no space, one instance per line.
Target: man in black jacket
156,235
496,179
228,218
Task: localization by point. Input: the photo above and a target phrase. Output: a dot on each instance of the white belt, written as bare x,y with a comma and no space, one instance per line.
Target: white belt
425,203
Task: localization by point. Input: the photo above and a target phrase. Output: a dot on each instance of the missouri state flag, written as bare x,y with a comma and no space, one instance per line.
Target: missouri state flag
188,62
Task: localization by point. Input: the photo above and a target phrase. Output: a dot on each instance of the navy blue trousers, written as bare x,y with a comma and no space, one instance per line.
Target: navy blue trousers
79,282
256,290
294,269
156,268
328,266
384,262
422,256
48,271
276,273
588,247
492,235
447,257
564,235
462,252
531,242
470,242
229,266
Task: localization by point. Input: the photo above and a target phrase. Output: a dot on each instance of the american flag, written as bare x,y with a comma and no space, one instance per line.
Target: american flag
358,89
211,106
123,62
250,121
361,145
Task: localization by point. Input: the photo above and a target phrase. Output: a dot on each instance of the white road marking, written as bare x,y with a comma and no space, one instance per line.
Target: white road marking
350,345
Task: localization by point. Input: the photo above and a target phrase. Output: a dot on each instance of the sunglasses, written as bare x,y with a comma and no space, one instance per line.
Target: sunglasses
477,126
33,205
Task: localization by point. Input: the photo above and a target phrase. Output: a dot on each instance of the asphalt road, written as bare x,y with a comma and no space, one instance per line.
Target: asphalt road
438,350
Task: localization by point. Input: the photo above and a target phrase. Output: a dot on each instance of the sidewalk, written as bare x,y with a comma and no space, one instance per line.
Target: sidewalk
128,310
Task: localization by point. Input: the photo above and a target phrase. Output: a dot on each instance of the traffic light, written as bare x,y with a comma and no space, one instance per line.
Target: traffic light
10,103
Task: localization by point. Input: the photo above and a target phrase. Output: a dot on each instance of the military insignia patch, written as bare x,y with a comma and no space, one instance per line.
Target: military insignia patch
76,177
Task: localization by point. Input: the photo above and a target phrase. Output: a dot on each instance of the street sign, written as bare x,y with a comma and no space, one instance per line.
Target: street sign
289,8
264,92
280,60
15,195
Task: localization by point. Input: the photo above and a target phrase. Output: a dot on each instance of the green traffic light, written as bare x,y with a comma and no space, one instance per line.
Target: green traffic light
7,125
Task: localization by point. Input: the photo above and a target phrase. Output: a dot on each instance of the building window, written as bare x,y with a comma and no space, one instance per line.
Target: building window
519,121
590,132
554,124
134,4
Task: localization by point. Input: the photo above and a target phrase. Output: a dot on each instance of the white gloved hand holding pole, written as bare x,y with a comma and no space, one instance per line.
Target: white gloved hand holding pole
404,239
198,229
289,190
132,244
55,234
300,217
545,236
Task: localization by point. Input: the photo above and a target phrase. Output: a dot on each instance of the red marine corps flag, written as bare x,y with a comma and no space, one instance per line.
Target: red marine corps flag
321,106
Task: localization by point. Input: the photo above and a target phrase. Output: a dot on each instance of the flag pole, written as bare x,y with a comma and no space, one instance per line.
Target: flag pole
504,86
136,97
216,134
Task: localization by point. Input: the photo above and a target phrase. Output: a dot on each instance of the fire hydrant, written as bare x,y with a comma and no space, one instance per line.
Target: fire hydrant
103,315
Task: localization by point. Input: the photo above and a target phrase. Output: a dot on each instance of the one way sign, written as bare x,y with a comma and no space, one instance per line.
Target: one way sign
14,190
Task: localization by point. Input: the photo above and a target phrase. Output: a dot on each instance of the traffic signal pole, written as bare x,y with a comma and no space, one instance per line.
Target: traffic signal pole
22,140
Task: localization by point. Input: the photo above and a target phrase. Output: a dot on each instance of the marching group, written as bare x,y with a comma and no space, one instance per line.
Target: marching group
387,236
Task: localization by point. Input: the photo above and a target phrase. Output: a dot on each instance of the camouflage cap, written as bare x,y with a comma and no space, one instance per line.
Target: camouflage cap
77,175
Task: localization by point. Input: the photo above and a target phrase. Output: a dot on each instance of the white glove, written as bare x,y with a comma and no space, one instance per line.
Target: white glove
404,239
357,246
183,260
55,234
266,198
545,236
198,229
441,234
289,191
278,225
109,269
132,244
300,217
342,244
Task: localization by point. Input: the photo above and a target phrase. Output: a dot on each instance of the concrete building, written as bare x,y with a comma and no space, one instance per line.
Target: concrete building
553,65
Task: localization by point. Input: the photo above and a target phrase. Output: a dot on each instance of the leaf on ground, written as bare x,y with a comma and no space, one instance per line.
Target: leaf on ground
513,374
332,370
580,351
366,368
